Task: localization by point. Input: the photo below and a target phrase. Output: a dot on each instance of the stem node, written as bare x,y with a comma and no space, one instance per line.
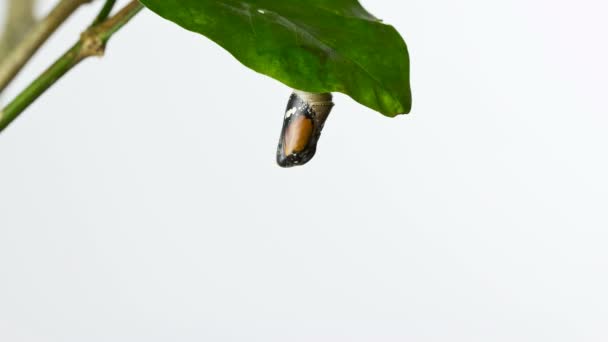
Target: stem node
92,44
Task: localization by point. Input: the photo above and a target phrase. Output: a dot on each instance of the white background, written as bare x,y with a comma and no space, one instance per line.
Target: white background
140,200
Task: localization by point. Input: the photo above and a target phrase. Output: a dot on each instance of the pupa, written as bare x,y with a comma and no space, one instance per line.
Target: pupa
303,123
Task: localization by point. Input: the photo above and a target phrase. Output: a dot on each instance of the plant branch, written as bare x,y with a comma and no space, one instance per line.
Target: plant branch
105,12
91,43
23,52
19,19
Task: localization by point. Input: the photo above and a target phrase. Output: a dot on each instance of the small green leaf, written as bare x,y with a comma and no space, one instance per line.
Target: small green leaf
311,45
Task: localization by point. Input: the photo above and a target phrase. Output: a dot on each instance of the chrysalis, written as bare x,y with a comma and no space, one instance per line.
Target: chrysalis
302,125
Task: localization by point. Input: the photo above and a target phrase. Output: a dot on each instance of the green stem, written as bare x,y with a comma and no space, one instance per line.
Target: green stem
45,81
92,43
105,12
38,35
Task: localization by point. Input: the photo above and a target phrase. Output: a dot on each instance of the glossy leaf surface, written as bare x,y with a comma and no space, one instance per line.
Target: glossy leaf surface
311,45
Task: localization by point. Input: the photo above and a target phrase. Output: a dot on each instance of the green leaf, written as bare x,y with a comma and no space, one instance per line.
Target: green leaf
311,45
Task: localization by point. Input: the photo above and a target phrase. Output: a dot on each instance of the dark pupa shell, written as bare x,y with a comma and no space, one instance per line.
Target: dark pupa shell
304,119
